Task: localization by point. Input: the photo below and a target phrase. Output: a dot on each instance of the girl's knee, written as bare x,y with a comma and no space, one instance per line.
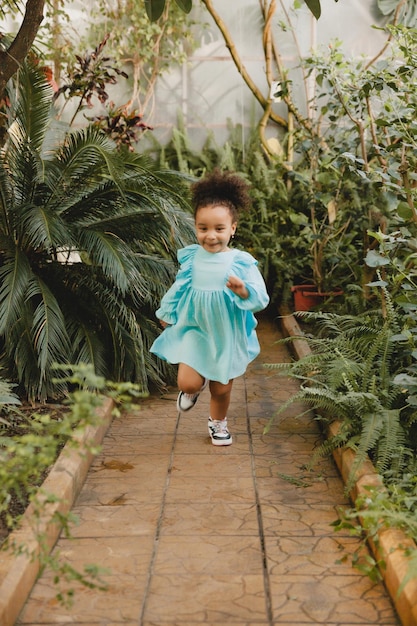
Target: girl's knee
189,381
189,387
218,390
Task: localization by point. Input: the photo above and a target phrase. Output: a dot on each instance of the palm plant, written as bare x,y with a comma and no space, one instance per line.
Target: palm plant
87,242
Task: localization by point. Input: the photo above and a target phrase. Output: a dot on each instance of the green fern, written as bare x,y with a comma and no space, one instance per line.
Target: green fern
349,377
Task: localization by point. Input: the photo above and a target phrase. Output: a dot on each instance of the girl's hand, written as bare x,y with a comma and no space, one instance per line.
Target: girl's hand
238,287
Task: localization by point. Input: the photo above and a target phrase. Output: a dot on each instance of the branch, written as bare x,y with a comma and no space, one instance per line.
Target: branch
267,42
11,59
357,122
380,158
287,97
239,65
385,46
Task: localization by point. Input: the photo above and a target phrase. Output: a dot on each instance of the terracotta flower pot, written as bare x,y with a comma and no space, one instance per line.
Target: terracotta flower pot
306,297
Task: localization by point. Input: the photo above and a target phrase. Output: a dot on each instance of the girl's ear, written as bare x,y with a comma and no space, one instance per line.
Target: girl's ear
234,226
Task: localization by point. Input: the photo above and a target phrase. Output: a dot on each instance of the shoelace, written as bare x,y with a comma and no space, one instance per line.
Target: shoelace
220,426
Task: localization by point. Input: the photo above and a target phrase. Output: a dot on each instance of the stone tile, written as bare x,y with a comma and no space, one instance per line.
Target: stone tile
228,518
119,604
225,489
330,599
286,520
143,424
129,557
151,444
277,489
204,466
295,467
221,599
208,555
119,520
263,396
118,466
296,443
321,555
124,489
127,563
288,422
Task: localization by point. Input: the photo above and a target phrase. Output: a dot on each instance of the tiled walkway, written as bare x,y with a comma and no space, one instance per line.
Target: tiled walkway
193,534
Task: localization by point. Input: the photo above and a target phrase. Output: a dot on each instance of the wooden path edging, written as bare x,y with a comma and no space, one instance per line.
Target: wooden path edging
392,544
18,574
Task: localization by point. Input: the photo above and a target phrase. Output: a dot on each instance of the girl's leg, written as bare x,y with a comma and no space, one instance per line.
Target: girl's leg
220,399
189,381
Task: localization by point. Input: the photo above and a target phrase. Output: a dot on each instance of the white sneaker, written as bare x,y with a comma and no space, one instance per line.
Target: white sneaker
218,432
186,401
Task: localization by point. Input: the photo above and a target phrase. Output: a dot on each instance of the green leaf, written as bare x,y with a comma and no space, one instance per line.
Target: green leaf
314,6
405,211
407,14
185,5
374,259
377,283
154,9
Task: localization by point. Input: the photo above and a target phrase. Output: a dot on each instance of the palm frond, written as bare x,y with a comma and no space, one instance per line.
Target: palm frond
42,230
86,156
29,114
15,275
23,361
50,339
111,255
6,195
86,344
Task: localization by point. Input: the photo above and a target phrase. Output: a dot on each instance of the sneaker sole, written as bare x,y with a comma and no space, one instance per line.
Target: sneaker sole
224,442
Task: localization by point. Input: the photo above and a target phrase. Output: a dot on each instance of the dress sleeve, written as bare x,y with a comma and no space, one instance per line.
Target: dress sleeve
168,307
246,268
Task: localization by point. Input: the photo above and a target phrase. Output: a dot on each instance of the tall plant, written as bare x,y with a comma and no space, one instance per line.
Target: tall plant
87,240
145,50
356,164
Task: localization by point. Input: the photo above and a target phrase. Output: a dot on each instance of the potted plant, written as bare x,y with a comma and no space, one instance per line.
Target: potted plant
308,295
325,240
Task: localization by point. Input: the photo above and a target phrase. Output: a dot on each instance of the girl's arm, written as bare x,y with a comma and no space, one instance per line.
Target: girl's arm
238,287
249,290
167,312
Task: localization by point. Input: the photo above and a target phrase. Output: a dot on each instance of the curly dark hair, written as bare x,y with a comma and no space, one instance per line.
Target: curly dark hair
221,188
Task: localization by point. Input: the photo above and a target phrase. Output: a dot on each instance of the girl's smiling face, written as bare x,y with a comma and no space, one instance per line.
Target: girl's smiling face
214,227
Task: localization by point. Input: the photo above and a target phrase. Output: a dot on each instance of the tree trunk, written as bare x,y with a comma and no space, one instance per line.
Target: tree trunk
11,58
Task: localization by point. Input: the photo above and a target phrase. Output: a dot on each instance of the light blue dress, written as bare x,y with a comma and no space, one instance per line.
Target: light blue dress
211,329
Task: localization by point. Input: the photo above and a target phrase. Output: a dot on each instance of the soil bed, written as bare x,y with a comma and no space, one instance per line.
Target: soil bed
16,425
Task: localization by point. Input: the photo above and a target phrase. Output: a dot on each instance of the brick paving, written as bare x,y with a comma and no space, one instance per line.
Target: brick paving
194,534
